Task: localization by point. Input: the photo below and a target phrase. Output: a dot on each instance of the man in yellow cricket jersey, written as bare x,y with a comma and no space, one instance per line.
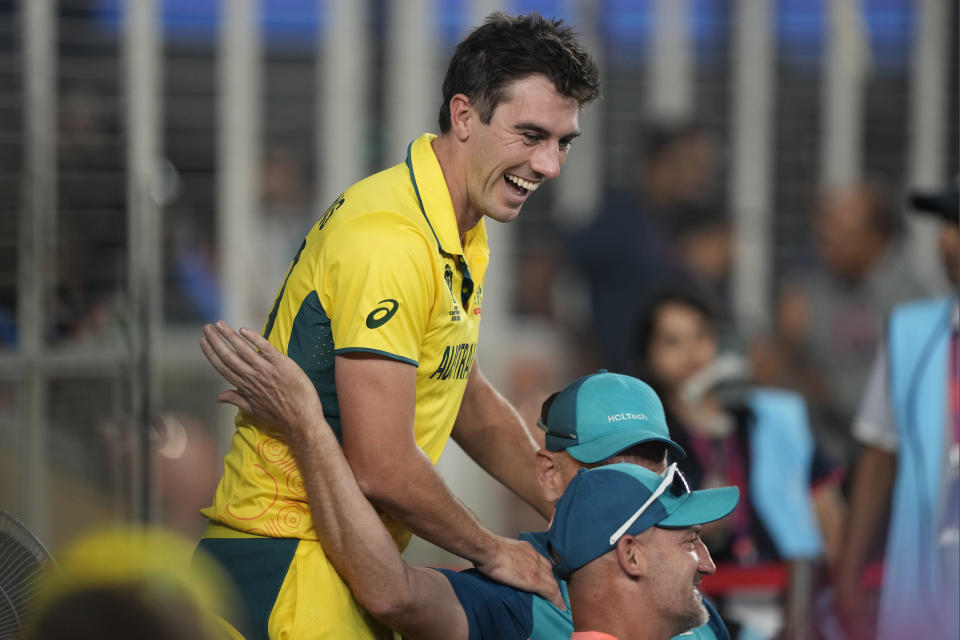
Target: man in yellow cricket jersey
381,308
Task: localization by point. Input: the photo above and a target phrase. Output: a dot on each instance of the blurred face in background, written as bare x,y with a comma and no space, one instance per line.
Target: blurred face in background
846,241
682,343
685,172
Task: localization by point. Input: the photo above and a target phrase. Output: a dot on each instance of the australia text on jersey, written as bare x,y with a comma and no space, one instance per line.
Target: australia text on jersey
456,361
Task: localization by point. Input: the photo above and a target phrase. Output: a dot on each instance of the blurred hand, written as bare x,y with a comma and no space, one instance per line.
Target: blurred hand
270,387
518,564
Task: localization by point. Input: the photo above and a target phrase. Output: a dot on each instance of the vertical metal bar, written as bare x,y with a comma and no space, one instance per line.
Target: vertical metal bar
240,72
342,102
927,159
37,249
239,131
844,70
670,86
581,183
142,54
412,75
750,175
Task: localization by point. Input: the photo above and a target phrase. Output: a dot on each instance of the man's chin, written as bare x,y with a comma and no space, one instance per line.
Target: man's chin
696,617
504,214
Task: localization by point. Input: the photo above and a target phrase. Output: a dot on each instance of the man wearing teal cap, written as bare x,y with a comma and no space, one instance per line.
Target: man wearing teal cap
627,541
602,418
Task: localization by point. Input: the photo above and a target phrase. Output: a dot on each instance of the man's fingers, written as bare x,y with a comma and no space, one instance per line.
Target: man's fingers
521,566
261,344
550,589
243,349
210,349
234,398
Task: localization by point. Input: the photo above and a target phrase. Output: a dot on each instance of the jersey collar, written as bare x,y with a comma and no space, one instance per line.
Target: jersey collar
434,198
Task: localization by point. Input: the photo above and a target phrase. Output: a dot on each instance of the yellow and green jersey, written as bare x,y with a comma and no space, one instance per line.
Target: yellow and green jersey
382,271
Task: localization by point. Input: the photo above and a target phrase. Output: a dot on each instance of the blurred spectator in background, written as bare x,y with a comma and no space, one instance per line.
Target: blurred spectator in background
285,217
192,291
909,423
133,583
631,246
88,274
186,468
734,434
829,317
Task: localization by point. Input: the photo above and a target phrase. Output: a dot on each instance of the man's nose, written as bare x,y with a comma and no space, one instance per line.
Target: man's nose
707,566
547,160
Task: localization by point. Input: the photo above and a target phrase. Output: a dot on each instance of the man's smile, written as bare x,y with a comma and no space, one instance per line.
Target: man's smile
520,186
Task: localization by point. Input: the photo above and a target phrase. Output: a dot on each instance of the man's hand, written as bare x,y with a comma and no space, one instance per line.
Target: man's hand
269,386
519,565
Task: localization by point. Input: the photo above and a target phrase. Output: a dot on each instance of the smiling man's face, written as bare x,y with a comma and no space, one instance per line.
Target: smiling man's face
525,144
680,562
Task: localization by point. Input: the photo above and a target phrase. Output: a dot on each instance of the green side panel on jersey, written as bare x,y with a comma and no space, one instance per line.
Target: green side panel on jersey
311,346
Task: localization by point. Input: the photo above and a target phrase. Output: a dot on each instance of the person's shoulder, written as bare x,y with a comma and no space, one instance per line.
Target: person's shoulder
493,609
377,214
925,305
386,198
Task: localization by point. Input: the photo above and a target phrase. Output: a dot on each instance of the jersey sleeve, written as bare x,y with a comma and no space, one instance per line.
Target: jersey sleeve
380,287
494,610
874,424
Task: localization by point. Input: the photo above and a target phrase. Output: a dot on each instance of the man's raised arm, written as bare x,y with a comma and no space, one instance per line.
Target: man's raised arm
377,402
274,391
491,432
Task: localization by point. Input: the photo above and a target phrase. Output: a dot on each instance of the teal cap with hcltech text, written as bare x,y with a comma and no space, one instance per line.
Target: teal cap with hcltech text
602,414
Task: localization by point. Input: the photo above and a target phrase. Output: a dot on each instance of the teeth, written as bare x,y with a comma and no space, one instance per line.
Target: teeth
520,182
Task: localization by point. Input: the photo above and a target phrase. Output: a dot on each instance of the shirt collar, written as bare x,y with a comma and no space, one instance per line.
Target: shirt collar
434,198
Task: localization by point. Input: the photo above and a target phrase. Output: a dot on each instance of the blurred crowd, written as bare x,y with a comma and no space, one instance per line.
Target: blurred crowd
775,408
654,264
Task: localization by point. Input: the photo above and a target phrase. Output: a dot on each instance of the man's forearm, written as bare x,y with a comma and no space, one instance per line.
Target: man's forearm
346,523
492,433
377,409
276,393
869,501
420,603
410,490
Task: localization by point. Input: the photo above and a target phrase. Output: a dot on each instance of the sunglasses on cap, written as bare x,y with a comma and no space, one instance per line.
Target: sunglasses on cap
674,480
542,420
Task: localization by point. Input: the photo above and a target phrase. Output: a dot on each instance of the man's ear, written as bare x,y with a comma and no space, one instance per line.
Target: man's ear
548,473
461,114
630,554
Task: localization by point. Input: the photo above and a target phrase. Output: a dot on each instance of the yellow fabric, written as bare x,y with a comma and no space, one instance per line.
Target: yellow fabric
160,566
379,274
215,530
315,603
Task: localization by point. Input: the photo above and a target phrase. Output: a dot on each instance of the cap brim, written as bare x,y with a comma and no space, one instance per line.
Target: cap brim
945,205
702,506
600,449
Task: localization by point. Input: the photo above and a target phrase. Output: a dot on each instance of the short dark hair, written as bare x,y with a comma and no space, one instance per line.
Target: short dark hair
683,292
507,48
